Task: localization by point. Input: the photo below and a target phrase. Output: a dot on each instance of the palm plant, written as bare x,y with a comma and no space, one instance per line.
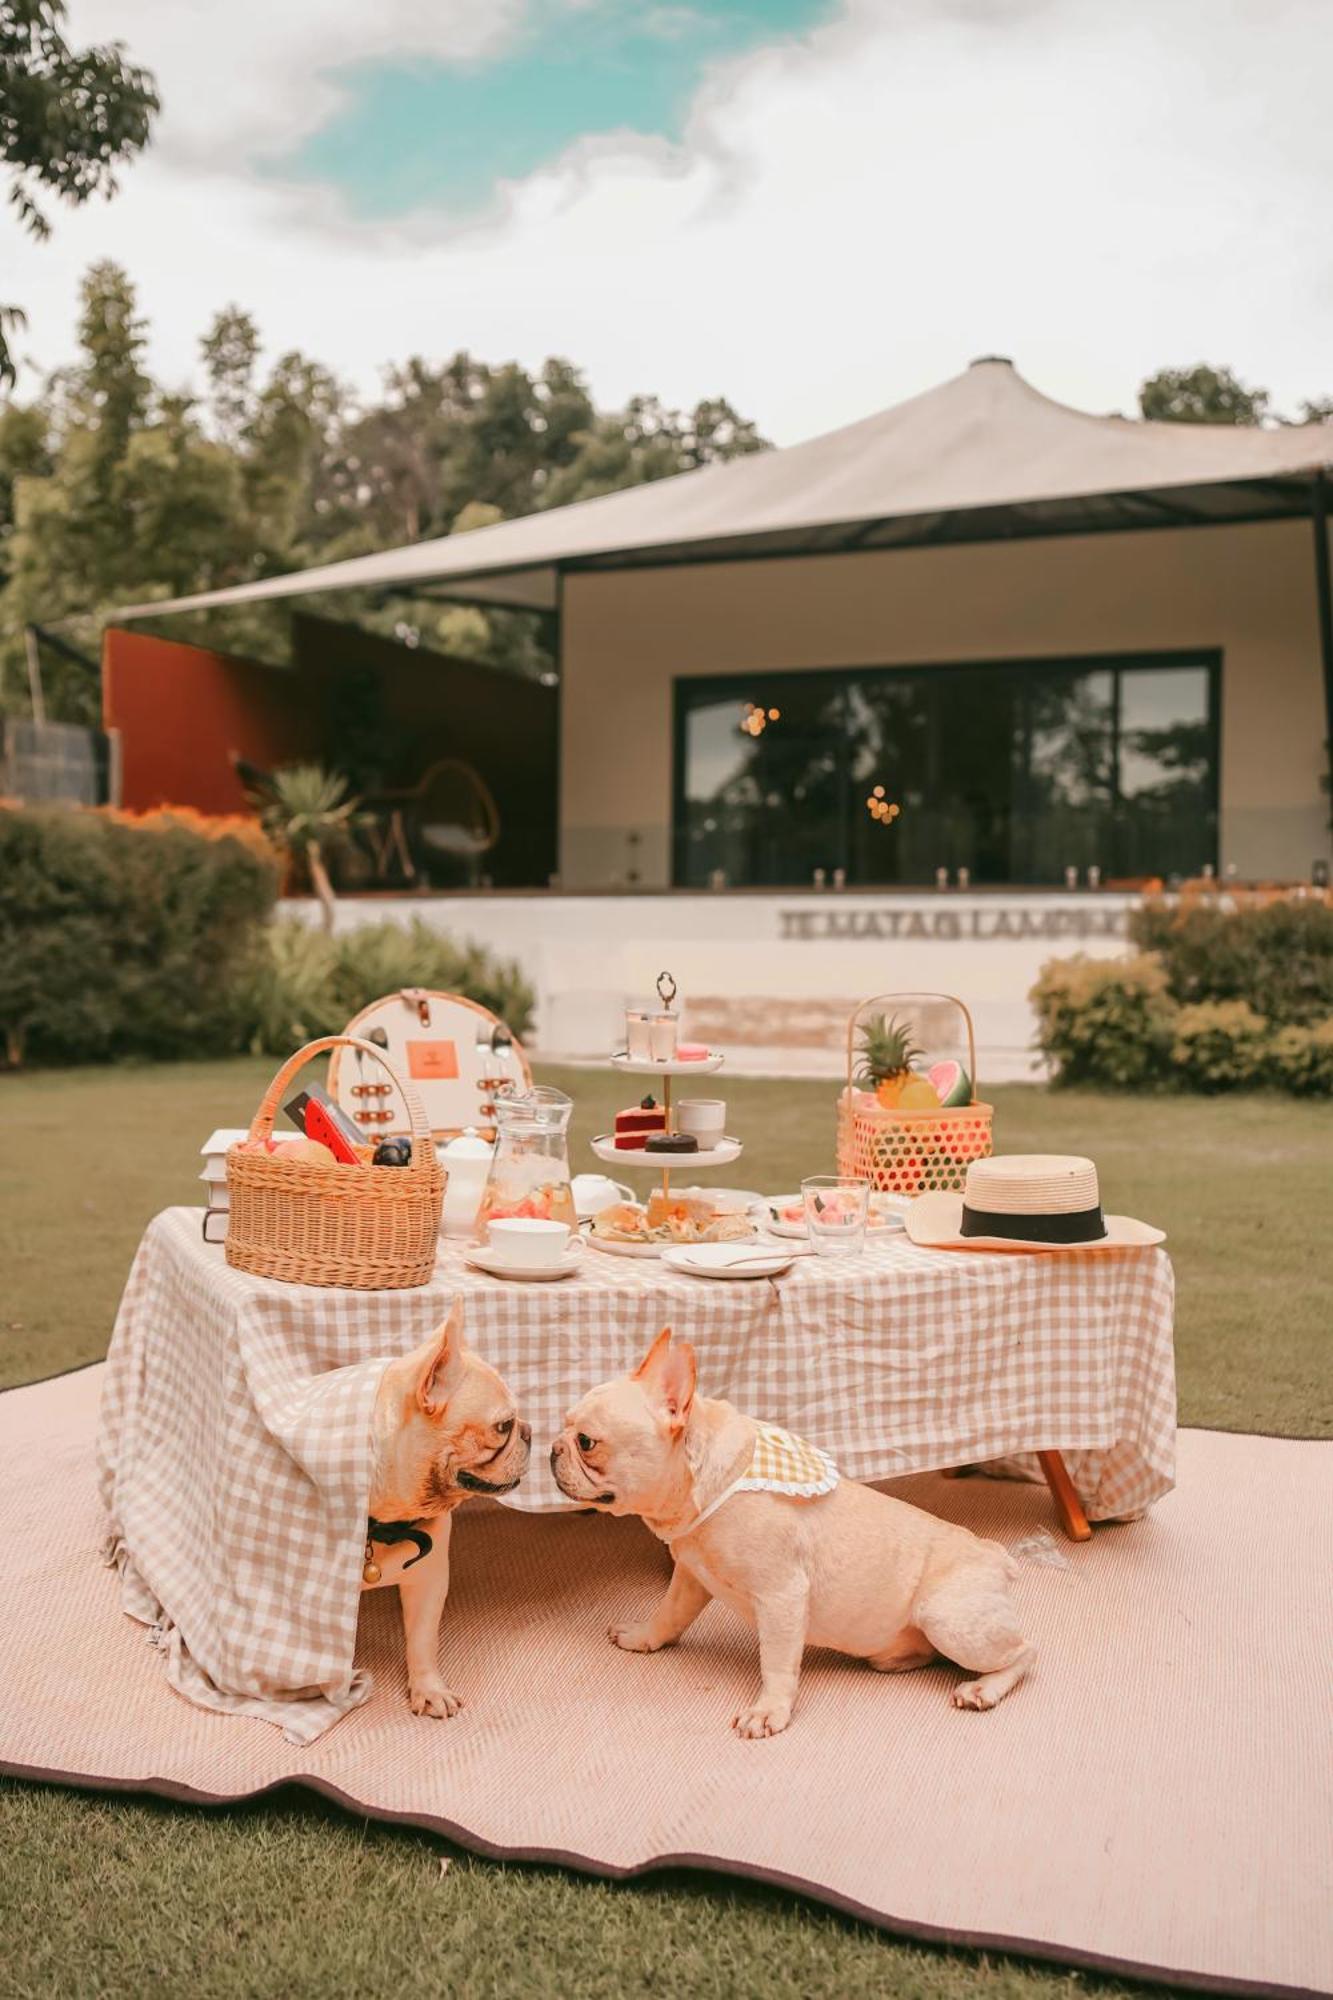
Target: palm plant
309,813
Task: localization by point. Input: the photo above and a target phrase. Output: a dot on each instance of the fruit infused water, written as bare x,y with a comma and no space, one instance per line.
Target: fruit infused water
530,1170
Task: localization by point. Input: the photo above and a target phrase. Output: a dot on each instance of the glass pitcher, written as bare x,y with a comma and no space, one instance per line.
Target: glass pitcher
530,1170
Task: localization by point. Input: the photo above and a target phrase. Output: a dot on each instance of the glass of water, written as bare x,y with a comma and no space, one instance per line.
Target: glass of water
837,1209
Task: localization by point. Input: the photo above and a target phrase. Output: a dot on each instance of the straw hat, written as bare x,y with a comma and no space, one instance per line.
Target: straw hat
1025,1201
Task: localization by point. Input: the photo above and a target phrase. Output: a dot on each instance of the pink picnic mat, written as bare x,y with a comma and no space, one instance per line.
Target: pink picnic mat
1155,1800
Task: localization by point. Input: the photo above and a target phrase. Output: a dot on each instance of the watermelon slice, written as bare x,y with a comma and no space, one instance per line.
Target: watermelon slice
952,1084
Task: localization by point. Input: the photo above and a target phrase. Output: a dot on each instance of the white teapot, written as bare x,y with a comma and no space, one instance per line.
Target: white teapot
594,1192
467,1162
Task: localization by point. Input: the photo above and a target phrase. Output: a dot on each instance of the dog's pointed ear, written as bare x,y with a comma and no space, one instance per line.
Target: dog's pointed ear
440,1363
667,1372
655,1358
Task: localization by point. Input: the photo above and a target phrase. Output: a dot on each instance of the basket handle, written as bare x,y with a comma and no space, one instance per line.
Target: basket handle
878,998
261,1125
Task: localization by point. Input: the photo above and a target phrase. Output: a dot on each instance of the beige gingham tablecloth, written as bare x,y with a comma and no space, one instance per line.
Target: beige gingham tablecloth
234,1447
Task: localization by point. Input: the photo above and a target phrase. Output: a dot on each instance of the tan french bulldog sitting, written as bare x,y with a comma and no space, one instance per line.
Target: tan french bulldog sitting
444,1428
825,1562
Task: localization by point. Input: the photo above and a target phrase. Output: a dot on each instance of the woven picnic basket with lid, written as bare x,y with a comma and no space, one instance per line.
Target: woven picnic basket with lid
313,1222
914,1151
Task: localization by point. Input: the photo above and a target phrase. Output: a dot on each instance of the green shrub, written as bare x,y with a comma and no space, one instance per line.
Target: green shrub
1105,1021
290,996
1220,1045
1301,1059
1279,957
309,984
121,938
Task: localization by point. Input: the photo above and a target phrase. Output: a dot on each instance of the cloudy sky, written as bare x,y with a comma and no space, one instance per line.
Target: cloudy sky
815,207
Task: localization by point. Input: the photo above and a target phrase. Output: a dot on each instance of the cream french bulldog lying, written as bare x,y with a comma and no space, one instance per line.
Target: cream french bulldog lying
852,1569
444,1427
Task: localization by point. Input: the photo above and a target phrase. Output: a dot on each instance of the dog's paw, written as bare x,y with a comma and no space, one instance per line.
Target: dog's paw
765,1718
433,1698
633,1638
974,1694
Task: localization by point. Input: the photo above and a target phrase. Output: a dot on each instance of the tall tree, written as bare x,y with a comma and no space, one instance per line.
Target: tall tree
68,118
1201,395
113,491
230,351
123,497
648,441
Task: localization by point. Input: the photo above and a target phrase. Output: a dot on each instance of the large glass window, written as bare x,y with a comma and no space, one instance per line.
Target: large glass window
1015,771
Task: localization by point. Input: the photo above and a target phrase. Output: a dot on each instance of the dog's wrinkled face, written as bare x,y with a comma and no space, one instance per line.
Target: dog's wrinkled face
460,1432
622,1445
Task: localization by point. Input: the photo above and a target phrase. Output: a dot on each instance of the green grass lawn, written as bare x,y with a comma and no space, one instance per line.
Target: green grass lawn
111,1896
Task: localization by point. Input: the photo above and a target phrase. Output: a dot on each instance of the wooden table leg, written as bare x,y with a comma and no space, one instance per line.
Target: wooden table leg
1068,1506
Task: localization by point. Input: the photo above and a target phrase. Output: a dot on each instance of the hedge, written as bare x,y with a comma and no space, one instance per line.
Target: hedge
1223,1000
121,938
154,936
307,983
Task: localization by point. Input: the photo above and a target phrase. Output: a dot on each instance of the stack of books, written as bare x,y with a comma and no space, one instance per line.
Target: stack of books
214,1177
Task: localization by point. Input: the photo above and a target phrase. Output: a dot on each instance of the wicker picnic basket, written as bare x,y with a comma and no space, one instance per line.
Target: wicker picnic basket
317,1223
914,1152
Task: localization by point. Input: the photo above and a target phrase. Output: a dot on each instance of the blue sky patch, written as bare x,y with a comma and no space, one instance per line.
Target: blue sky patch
428,134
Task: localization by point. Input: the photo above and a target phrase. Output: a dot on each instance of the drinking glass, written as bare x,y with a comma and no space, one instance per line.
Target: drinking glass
662,1032
836,1211
638,1040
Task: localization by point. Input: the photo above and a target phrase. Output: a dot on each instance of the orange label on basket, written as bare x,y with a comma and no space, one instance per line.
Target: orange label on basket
432,1062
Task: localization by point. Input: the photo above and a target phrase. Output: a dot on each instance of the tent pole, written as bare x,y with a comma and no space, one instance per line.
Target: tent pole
1324,600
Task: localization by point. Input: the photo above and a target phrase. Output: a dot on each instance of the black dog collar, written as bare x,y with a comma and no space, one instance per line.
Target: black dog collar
388,1532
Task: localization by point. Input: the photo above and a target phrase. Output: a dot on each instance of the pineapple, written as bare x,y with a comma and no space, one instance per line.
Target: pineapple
887,1054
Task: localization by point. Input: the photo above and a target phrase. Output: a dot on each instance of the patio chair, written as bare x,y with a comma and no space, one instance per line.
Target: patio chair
449,815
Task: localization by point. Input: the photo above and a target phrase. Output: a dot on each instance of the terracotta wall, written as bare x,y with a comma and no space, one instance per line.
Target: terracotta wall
1248,591
352,700
181,711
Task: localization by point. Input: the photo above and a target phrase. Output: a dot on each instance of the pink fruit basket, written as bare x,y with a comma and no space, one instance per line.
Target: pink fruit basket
916,1149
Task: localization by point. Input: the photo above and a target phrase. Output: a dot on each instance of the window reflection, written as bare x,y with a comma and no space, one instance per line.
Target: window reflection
1015,772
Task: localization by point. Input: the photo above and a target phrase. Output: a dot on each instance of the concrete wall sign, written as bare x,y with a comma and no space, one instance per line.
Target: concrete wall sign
980,922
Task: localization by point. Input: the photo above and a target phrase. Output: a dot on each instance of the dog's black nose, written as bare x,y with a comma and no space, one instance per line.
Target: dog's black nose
525,1432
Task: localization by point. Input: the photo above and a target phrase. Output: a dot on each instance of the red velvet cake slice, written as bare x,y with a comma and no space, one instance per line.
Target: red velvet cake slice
633,1126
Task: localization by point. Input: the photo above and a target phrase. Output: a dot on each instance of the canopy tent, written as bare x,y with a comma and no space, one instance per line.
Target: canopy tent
981,457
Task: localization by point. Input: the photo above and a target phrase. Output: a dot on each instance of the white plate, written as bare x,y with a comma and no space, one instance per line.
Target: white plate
483,1258
614,1249
726,1260
882,1223
739,1200
645,1066
722,1155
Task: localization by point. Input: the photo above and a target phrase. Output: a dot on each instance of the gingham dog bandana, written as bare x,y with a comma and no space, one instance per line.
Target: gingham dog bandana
780,1463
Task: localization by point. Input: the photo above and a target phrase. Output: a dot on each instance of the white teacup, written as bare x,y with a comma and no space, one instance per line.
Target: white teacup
705,1117
529,1242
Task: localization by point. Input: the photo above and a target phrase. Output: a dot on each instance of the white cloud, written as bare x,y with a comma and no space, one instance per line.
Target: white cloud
1093,190
254,77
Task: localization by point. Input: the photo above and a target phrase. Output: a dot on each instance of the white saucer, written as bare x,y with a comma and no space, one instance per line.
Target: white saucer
483,1258
721,1260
